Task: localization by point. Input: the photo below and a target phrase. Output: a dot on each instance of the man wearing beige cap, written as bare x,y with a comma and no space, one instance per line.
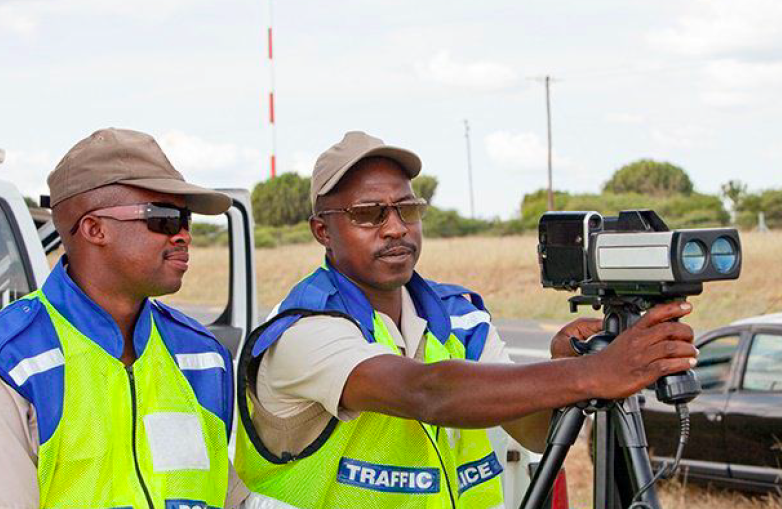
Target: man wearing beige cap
370,386
109,399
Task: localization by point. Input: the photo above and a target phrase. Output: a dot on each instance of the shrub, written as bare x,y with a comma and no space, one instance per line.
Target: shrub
647,176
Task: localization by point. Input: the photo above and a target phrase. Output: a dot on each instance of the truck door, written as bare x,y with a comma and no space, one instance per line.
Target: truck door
219,287
22,263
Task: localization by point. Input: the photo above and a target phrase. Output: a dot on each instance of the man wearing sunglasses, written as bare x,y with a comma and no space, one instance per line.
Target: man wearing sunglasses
370,386
107,398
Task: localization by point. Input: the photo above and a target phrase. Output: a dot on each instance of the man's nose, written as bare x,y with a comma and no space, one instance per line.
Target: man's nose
394,226
182,238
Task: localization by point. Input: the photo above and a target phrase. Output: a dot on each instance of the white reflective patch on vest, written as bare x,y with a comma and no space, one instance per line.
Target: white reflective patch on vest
477,472
388,478
35,365
469,320
198,361
258,501
176,441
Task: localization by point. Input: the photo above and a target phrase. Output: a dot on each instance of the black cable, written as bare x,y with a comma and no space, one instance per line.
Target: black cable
666,471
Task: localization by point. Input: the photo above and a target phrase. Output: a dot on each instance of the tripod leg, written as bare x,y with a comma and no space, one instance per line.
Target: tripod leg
604,458
562,436
630,431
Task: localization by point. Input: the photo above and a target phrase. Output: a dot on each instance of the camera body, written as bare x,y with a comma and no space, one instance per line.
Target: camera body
633,253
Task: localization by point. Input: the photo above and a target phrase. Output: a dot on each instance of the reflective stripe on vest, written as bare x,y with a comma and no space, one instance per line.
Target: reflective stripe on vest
389,461
134,437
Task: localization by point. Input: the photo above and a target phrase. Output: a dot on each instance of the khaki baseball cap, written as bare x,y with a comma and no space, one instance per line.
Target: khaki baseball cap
332,164
122,156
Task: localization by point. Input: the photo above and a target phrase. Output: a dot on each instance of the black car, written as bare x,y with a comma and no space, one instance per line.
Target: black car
736,423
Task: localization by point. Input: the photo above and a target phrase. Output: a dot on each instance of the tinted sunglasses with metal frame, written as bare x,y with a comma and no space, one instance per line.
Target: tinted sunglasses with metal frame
160,217
372,215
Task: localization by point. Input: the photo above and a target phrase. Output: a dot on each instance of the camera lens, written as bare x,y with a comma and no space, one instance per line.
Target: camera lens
723,255
693,257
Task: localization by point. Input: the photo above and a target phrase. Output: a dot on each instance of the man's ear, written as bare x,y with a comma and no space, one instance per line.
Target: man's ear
93,230
320,230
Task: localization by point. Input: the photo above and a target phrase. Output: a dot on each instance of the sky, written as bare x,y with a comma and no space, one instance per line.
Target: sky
693,82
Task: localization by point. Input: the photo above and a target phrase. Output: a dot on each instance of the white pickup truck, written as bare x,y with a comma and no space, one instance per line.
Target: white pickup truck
25,242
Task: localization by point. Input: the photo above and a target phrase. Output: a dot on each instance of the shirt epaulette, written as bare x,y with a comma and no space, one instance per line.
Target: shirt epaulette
16,317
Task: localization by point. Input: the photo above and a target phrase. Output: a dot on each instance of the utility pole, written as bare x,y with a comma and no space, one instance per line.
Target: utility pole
469,167
548,118
546,80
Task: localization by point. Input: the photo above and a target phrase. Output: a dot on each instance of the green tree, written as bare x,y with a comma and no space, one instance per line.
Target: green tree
30,202
769,202
424,186
649,177
284,200
734,191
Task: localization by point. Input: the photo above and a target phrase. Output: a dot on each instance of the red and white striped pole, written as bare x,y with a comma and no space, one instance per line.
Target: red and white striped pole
272,122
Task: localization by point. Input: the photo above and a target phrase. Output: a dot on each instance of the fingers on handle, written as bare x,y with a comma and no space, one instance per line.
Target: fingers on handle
672,350
664,367
663,313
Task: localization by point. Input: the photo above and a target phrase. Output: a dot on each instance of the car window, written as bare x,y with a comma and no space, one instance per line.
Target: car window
13,279
764,364
714,362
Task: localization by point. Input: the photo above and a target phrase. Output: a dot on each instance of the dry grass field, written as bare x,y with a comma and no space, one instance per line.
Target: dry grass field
675,494
504,270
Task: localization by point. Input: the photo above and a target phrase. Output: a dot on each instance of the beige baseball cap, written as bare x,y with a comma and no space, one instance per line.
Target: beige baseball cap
332,164
122,156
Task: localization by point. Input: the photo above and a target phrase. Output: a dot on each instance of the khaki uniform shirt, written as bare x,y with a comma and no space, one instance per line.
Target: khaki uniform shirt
301,377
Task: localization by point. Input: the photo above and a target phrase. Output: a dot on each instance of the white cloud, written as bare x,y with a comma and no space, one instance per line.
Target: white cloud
625,118
737,83
28,170
302,163
482,75
15,20
681,137
211,163
724,27
24,17
520,151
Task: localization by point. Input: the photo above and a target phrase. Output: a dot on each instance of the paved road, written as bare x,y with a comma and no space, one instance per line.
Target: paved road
528,340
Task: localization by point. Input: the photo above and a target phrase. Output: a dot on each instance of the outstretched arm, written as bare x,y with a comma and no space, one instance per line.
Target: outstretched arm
471,395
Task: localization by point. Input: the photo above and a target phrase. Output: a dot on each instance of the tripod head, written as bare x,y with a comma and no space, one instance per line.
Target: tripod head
621,311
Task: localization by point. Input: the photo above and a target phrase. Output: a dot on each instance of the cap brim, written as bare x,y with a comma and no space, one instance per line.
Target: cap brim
409,162
199,199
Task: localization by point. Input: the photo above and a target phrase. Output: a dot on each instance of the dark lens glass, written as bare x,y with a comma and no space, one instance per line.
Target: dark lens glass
167,220
411,212
368,215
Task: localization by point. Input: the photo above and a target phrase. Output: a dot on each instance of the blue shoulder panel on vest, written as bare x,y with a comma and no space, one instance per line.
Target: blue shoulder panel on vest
447,290
183,319
328,290
26,331
213,386
473,337
310,293
272,333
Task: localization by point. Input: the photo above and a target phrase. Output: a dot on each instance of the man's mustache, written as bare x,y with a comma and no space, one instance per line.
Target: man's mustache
395,246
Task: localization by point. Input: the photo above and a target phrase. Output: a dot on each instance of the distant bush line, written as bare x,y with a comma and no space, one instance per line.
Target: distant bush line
281,206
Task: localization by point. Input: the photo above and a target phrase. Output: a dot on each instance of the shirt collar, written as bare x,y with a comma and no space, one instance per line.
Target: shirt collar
426,302
89,318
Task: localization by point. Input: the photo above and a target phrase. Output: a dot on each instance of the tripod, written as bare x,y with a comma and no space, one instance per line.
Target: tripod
621,459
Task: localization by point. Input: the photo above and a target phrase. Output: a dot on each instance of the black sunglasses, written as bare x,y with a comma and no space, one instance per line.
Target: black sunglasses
372,215
160,217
